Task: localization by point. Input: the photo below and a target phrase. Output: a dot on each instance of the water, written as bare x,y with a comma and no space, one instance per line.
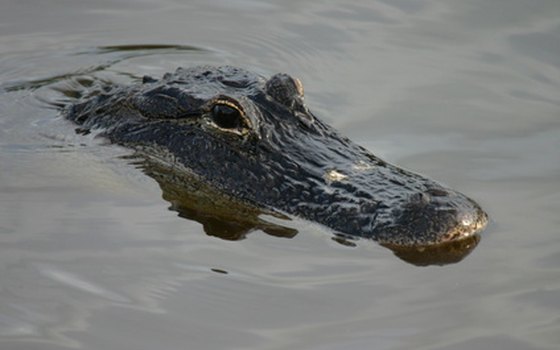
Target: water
465,92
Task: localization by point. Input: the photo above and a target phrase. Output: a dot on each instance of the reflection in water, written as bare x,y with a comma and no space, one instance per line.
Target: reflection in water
220,216
441,254
229,219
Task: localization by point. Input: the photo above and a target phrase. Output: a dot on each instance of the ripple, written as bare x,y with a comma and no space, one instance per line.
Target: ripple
81,68
147,48
118,54
76,282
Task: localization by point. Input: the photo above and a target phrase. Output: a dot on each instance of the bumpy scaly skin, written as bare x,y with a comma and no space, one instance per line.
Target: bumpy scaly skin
277,156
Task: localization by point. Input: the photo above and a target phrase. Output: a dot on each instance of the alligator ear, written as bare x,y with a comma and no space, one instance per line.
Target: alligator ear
164,102
288,91
285,90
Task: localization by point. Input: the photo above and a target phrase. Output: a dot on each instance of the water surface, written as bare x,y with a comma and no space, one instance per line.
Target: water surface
465,92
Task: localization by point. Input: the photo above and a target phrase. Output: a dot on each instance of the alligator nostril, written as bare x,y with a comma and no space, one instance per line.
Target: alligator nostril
437,192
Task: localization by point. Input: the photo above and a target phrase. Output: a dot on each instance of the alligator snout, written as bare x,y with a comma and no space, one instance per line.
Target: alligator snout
434,216
374,199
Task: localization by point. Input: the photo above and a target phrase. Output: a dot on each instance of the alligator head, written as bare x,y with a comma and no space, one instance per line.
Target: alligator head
254,140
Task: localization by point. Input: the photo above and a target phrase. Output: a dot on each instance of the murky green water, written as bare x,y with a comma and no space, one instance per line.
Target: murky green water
463,91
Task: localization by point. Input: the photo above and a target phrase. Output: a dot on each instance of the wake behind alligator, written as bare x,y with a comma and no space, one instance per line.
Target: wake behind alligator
255,141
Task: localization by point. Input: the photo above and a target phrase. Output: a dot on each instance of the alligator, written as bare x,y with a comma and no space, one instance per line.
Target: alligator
255,141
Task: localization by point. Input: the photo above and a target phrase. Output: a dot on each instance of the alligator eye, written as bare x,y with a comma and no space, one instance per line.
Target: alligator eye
227,116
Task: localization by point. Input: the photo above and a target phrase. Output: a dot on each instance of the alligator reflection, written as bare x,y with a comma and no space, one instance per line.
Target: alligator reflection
230,220
220,216
440,254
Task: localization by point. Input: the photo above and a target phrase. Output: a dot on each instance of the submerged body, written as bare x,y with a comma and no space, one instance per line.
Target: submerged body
255,141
